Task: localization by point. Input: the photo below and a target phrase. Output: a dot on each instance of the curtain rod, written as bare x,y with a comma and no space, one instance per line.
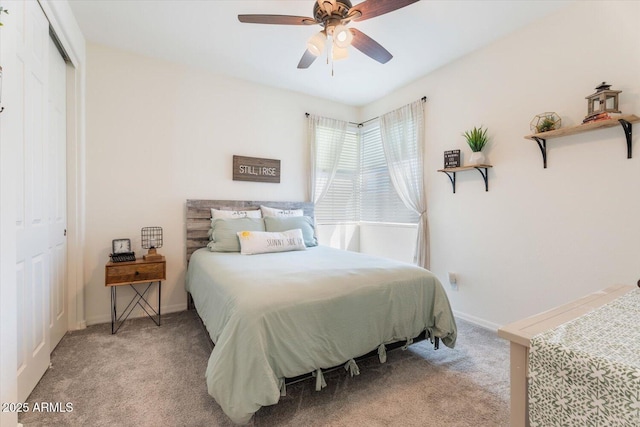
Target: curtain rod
423,99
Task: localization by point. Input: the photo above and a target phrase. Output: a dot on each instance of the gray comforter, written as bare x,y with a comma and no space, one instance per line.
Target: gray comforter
281,315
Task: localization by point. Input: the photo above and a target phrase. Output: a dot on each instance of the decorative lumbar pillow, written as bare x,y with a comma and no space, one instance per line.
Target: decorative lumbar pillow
267,211
304,223
233,214
224,233
261,242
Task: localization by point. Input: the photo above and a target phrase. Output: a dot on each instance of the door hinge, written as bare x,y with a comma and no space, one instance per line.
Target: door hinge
65,232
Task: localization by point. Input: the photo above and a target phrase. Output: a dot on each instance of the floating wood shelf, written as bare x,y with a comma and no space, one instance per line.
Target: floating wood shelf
624,121
451,173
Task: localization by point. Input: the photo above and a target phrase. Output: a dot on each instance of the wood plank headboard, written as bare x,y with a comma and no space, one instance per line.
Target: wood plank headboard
199,216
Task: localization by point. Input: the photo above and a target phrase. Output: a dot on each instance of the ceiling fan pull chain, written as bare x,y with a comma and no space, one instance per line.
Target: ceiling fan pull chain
332,60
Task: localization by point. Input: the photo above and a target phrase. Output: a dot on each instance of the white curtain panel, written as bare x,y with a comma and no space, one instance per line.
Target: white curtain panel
326,138
403,143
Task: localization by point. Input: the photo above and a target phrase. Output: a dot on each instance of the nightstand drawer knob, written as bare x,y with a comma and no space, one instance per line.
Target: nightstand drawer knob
137,273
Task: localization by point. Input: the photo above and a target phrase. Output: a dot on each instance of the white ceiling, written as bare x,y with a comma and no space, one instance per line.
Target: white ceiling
206,33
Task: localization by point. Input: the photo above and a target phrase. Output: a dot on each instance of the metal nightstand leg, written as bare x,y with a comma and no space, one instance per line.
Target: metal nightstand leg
113,309
138,299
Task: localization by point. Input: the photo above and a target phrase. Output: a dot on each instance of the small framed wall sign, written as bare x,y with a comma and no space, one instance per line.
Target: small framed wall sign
256,169
452,159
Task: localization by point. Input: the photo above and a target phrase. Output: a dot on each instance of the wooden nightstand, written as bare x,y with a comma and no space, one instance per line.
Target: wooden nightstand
131,273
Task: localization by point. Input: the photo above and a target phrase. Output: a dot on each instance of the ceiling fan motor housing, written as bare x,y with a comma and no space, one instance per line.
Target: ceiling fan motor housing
330,13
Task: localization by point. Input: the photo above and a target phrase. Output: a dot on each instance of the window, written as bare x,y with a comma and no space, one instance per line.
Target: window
362,188
379,200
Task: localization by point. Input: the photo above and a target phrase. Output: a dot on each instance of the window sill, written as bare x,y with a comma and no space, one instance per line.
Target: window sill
370,223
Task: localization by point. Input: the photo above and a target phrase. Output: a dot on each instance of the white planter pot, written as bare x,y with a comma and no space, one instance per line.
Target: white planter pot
477,158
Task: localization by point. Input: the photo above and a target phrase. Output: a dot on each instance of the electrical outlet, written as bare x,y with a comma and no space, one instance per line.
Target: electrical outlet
453,281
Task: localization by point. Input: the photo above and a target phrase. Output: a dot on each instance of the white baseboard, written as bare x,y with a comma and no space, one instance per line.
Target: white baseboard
81,325
477,321
106,318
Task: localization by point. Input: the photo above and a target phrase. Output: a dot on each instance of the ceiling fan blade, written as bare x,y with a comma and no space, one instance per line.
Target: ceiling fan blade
371,8
276,19
369,46
306,60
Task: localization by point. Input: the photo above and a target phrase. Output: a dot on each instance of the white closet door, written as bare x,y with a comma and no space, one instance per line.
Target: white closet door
32,222
57,192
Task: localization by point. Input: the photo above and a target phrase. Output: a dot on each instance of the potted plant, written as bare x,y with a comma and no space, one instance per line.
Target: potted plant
546,125
545,122
477,139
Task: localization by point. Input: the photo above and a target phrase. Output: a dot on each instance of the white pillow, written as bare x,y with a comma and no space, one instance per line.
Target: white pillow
233,214
267,211
260,242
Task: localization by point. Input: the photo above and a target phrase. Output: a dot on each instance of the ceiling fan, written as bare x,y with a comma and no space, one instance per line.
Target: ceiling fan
333,16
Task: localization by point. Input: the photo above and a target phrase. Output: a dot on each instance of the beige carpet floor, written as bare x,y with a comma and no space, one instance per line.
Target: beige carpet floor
154,376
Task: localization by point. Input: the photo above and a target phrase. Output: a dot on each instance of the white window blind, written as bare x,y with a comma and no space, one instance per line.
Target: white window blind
361,189
379,200
342,201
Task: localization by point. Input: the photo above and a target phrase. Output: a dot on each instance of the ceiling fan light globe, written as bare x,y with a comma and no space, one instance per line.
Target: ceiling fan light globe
316,43
339,53
342,36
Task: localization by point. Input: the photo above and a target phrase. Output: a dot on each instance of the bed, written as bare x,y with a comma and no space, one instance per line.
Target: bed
280,315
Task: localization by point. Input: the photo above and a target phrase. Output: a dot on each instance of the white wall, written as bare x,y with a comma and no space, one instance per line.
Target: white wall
394,241
343,236
159,133
539,237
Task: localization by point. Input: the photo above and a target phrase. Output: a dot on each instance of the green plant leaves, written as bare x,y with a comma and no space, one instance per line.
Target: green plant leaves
476,138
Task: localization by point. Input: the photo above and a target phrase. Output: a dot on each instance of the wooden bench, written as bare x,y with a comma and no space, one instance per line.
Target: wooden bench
521,332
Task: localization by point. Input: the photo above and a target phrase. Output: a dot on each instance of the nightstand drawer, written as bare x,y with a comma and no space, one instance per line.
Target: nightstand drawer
134,272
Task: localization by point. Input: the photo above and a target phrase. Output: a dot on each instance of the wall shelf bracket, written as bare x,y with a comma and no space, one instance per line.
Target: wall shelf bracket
628,129
485,177
451,173
542,143
452,178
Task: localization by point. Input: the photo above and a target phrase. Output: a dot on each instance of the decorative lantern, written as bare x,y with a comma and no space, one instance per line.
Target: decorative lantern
151,239
602,101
